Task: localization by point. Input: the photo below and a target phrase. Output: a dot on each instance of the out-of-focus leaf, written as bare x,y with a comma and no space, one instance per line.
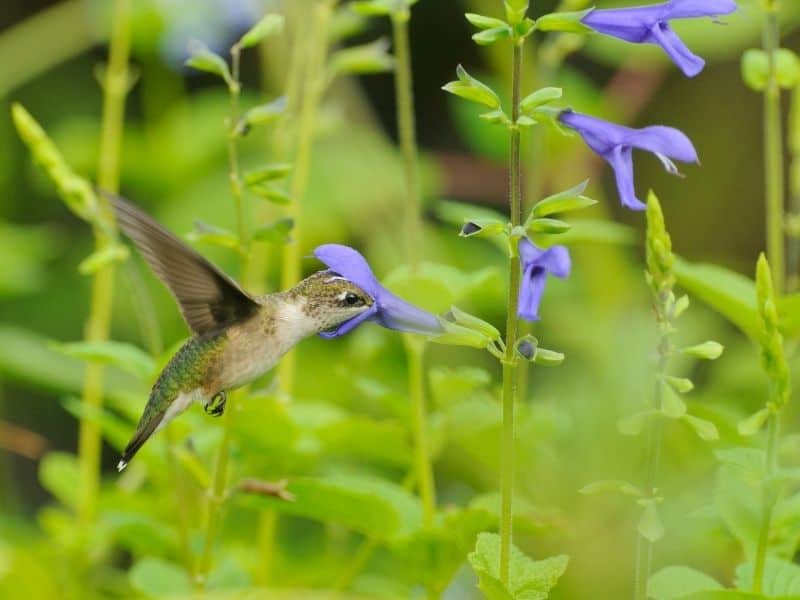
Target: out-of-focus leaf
673,583
528,579
650,526
24,252
363,60
267,173
781,578
369,505
203,59
59,475
612,485
705,430
565,22
277,232
140,533
593,232
114,430
211,234
385,442
128,357
269,25
263,114
114,253
158,577
454,384
730,294
271,193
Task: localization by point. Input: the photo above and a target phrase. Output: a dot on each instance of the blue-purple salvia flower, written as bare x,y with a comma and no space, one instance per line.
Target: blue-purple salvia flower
387,309
536,265
650,25
615,143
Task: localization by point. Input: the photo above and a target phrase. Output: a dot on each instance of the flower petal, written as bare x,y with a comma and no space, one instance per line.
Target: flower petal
668,141
683,9
395,313
621,160
688,62
351,324
350,264
529,253
556,260
530,292
600,135
629,24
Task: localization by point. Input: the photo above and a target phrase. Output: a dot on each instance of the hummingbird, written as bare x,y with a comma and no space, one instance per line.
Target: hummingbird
236,337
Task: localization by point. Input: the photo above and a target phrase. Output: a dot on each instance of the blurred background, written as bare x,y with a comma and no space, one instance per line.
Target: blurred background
173,163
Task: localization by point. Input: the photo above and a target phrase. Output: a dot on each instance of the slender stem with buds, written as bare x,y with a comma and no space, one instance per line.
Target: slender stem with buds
510,361
115,88
768,501
773,152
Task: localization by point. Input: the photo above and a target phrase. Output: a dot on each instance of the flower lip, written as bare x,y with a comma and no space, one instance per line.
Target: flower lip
615,143
537,263
387,309
650,25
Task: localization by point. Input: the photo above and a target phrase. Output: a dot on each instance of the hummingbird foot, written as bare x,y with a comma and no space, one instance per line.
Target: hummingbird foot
216,405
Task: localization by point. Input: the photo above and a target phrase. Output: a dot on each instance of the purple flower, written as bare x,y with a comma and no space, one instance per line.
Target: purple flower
615,143
536,264
650,25
387,309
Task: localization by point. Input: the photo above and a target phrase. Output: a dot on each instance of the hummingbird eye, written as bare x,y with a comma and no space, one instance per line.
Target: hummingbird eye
352,299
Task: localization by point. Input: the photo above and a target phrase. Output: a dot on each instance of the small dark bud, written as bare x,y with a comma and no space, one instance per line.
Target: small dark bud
470,228
527,350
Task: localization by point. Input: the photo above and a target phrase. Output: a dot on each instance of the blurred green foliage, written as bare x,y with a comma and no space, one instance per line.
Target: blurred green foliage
347,518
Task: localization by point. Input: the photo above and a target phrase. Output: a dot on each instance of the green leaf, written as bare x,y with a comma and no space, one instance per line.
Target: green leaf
571,199
203,59
705,430
732,595
753,424
528,579
271,193
450,385
680,384
539,97
706,351
490,36
483,22
755,69
672,405
385,442
456,335
467,320
368,505
612,485
550,226
471,89
650,526
277,232
263,114
730,294
115,430
363,60
158,577
566,22
125,356
267,173
375,8
115,253
211,234
781,578
673,583
548,358
634,424
59,475
269,25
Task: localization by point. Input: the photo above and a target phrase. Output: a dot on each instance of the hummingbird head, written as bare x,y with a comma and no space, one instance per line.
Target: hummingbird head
329,300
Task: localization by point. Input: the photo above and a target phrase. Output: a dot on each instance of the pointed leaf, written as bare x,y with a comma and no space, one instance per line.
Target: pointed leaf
363,60
541,96
705,430
673,583
471,89
568,200
483,22
566,22
203,59
268,173
125,356
277,232
488,37
268,26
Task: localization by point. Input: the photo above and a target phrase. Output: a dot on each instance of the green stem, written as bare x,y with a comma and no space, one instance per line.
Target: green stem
644,547
406,130
768,499
314,87
415,350
793,262
773,153
510,360
115,87
360,559
218,491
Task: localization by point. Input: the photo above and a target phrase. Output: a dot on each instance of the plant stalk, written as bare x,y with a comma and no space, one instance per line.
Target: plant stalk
314,88
768,499
115,87
773,153
510,362
415,350
793,260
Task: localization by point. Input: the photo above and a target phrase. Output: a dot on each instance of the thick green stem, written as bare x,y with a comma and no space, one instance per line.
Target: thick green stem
773,153
768,501
510,360
314,87
793,261
115,87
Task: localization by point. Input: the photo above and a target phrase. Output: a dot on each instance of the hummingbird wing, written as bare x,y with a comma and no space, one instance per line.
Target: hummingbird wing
207,297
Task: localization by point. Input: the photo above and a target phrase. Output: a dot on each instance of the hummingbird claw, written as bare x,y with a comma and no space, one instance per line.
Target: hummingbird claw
216,405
